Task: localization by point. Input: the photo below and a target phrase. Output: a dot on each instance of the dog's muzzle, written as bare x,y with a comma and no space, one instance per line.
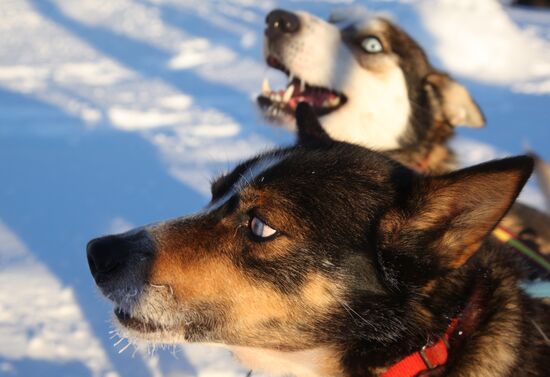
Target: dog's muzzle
279,22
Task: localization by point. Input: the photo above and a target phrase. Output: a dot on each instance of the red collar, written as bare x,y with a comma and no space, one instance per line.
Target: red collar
436,354
429,357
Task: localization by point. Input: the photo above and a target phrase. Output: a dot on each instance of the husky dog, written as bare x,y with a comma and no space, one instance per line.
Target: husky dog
370,83
326,259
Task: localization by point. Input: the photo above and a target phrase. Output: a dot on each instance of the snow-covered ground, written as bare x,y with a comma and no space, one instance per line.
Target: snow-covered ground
116,113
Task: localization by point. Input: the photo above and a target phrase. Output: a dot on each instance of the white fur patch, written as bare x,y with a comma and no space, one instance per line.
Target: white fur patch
377,112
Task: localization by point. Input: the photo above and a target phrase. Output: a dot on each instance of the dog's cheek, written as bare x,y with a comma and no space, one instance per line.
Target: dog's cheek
207,322
265,317
380,65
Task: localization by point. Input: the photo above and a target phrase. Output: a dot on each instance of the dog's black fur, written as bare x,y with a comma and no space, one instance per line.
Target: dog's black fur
369,262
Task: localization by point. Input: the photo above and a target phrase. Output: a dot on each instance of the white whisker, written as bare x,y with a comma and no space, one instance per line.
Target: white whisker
118,342
541,332
124,348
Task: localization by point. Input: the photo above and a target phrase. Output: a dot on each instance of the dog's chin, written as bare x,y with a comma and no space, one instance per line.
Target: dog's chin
146,330
135,324
279,106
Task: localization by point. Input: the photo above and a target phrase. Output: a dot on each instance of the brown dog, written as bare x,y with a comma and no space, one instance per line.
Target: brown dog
328,259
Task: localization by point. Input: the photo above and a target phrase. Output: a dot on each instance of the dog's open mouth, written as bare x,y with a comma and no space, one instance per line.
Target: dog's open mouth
279,103
134,323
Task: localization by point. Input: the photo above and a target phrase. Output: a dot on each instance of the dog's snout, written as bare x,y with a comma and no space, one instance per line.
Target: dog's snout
109,255
105,255
280,22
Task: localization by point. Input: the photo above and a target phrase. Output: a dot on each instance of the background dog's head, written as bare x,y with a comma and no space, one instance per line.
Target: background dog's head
314,245
368,80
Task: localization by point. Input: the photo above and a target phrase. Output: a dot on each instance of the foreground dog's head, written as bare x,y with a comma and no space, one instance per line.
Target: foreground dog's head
318,246
370,82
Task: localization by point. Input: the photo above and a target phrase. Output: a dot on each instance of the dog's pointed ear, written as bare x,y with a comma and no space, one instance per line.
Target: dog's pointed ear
309,127
451,102
445,219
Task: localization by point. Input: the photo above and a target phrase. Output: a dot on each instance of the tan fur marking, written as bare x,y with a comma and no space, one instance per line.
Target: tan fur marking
215,279
320,292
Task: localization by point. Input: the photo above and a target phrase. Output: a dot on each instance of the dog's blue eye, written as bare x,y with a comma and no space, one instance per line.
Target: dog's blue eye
372,45
261,229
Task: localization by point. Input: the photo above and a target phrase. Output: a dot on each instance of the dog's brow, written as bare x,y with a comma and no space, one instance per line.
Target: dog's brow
262,165
246,178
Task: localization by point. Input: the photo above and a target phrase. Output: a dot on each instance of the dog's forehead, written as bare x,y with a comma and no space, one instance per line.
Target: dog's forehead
245,175
359,20
304,171
375,25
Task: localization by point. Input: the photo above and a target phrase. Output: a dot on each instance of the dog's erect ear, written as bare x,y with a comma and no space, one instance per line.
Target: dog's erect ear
309,128
451,102
445,219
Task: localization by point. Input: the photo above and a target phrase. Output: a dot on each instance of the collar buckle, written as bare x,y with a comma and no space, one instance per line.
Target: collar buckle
431,356
444,340
426,359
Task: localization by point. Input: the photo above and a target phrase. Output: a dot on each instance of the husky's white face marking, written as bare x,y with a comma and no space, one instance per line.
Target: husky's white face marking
376,110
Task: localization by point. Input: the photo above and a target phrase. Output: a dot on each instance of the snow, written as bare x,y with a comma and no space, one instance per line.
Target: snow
473,152
40,319
118,113
477,39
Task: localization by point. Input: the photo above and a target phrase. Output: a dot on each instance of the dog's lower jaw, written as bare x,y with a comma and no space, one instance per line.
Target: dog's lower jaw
316,362
162,335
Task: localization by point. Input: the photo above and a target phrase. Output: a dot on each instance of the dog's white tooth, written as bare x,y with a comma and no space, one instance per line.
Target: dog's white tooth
266,89
335,101
302,85
290,77
288,93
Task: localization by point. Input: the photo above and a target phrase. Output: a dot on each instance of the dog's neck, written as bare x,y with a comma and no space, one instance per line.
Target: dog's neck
455,323
431,154
472,314
436,353
327,361
355,358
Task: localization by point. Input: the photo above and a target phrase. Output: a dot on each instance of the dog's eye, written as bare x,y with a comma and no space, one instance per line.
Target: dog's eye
261,229
372,45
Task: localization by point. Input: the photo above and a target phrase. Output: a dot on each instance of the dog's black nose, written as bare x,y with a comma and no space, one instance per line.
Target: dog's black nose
281,22
107,256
